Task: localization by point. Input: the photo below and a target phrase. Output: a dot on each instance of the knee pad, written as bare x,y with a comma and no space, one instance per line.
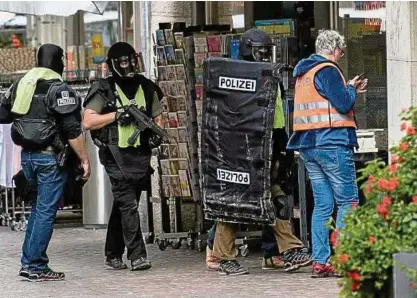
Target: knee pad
282,205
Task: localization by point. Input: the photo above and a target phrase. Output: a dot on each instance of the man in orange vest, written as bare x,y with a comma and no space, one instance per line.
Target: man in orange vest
325,135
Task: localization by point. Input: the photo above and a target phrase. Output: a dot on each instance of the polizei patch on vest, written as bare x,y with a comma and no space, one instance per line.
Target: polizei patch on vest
245,85
65,99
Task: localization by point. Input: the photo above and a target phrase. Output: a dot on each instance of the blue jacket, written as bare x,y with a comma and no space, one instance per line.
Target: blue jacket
329,84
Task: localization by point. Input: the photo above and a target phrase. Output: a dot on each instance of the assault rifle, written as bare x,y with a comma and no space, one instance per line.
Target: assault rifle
143,122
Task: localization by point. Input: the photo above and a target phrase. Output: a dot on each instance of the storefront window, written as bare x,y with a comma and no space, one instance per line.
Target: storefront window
363,26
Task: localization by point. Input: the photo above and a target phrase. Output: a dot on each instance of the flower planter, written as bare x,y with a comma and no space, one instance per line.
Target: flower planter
402,286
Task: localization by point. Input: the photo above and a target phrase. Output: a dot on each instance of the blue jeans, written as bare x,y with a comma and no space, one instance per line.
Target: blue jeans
47,180
333,178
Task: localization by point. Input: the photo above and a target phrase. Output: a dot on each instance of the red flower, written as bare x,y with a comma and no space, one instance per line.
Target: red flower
414,199
394,159
354,286
382,210
371,179
392,168
371,239
403,126
411,131
343,259
404,110
382,184
354,205
368,189
355,276
333,238
387,201
404,146
392,184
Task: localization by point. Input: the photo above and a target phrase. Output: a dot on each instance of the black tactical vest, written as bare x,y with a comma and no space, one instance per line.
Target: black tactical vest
108,135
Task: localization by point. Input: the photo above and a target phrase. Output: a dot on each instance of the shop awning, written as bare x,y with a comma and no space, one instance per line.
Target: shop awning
57,8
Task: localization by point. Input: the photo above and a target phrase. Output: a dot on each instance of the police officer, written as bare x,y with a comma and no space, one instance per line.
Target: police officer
47,117
281,248
128,166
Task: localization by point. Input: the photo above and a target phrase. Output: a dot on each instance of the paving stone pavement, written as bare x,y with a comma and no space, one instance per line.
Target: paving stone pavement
175,273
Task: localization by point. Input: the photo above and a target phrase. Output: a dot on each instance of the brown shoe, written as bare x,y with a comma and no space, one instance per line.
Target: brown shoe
212,262
272,263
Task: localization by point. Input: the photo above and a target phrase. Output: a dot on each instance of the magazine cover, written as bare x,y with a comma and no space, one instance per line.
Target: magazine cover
165,119
183,164
182,135
181,88
164,151
182,103
173,120
199,92
180,71
161,57
170,54
199,58
174,164
169,37
172,104
174,186
182,119
183,150
173,151
165,186
171,74
179,39
214,43
200,44
160,38
198,76
164,87
165,166
199,107
164,104
179,56
172,88
162,73
184,183
173,134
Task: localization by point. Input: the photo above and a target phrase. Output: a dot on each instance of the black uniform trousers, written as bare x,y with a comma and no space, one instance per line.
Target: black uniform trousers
124,224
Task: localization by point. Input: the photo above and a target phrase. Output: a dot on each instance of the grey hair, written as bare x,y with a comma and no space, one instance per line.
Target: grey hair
329,40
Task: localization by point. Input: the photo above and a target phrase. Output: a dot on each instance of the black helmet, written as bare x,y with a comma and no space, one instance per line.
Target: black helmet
123,61
255,45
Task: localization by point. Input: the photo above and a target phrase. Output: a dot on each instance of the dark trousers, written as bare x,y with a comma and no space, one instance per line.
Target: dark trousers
124,224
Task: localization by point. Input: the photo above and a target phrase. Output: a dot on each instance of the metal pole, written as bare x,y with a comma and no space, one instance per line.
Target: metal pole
122,21
212,16
137,25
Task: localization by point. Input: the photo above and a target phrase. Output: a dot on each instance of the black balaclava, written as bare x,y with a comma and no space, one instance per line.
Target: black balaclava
51,56
252,45
124,52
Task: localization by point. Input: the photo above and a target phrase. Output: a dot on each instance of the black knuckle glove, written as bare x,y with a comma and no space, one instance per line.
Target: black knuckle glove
124,118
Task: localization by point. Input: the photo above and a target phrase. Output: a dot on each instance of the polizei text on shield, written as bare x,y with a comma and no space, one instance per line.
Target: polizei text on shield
246,85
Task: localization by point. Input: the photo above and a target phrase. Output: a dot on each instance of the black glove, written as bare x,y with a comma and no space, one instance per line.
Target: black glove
124,118
78,176
154,141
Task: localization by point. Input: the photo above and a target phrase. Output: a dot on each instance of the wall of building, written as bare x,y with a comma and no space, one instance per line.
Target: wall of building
401,29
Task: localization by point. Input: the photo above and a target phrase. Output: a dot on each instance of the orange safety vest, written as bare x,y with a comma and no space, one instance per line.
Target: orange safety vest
313,111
